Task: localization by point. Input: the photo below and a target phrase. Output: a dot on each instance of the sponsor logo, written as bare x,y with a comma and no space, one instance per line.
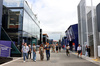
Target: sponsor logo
4,48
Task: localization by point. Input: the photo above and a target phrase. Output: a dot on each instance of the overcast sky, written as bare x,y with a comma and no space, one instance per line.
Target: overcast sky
56,15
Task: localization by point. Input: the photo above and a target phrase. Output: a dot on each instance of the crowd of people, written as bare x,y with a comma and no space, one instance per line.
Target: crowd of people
28,50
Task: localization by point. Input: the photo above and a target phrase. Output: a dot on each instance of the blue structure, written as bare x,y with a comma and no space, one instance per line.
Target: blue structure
5,48
50,41
64,41
72,36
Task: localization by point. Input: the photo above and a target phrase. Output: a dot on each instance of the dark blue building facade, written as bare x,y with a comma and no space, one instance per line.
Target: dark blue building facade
64,41
72,36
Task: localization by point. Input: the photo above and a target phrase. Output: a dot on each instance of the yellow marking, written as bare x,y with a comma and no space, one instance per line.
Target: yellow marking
96,60
76,53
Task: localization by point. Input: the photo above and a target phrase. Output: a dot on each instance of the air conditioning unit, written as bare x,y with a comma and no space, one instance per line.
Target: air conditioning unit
98,51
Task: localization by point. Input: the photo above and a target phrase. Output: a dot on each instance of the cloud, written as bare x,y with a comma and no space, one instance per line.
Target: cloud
56,15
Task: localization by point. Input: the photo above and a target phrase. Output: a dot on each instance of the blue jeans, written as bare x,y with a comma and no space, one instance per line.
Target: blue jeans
25,55
48,54
86,53
34,56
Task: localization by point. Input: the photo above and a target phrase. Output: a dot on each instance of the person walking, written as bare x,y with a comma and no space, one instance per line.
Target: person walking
67,50
57,47
63,46
79,50
34,53
23,44
29,52
41,51
25,50
89,51
53,48
86,50
47,48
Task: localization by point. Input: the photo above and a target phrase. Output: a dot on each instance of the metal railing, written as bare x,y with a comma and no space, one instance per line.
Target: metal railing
3,47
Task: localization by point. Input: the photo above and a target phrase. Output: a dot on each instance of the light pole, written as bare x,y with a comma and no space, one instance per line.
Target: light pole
94,31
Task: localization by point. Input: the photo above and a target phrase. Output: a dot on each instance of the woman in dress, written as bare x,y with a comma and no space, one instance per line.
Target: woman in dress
41,52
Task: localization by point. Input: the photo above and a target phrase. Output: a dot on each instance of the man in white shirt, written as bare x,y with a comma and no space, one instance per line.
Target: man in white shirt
25,50
79,50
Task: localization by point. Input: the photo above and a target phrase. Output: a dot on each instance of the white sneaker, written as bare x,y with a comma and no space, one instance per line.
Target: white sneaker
24,61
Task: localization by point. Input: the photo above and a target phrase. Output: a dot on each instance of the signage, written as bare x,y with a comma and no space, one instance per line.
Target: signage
5,48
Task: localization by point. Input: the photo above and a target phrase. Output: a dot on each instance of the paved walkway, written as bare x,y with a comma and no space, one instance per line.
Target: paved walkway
95,61
57,59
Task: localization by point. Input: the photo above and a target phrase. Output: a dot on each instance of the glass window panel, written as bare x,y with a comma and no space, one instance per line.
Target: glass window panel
30,24
13,3
29,10
15,18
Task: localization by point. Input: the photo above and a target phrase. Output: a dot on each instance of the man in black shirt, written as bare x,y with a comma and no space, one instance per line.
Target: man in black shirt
88,49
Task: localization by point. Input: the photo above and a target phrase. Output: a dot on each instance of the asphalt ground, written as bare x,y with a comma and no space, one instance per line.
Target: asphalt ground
56,59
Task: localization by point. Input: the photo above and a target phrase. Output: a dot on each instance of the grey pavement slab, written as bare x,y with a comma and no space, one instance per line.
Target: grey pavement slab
57,59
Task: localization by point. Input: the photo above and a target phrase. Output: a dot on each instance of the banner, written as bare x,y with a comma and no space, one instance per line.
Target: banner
5,48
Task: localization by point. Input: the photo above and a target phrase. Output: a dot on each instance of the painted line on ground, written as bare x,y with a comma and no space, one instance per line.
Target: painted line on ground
10,62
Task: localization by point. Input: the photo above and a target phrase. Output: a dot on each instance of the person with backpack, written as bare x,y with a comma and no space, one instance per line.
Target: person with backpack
41,51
